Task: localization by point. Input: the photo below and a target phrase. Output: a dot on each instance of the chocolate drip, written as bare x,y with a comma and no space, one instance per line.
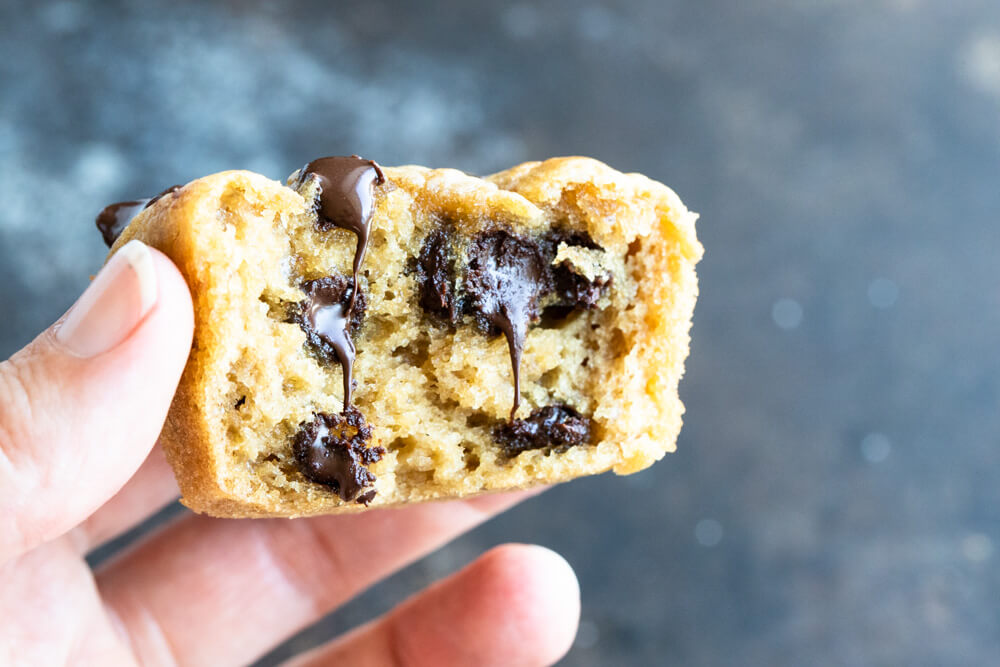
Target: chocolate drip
332,449
325,318
346,199
330,321
506,277
115,217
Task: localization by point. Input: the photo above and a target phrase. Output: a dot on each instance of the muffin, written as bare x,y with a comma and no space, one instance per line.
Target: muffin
368,337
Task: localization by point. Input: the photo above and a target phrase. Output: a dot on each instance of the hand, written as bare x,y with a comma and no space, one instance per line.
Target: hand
80,410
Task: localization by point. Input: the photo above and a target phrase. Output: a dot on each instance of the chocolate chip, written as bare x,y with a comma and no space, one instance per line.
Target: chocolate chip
504,280
558,427
332,450
556,315
366,498
574,291
436,276
507,279
115,217
322,316
346,193
569,237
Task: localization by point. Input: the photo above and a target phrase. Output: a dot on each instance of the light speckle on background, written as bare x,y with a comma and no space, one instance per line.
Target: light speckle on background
875,447
62,17
98,169
977,547
708,532
787,313
521,21
882,293
979,63
596,23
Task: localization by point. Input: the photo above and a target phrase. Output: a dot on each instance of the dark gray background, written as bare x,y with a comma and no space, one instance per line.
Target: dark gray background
834,496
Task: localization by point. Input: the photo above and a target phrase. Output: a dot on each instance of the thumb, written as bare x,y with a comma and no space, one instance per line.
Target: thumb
82,405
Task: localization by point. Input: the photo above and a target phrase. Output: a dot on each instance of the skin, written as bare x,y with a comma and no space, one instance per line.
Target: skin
78,466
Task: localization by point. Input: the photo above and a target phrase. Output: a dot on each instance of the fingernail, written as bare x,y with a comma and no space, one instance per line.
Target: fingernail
107,312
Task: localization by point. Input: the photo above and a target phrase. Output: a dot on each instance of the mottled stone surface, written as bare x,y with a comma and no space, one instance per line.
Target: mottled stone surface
836,494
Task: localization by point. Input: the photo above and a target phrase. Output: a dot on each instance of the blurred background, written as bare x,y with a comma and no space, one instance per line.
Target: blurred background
834,496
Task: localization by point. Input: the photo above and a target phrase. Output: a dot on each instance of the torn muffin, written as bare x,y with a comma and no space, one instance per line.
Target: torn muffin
371,336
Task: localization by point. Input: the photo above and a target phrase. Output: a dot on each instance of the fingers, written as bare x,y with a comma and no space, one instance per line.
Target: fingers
52,614
224,592
517,605
151,488
82,405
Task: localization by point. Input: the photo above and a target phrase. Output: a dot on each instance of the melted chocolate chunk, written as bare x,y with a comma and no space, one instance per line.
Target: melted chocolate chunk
436,276
346,199
556,236
115,217
332,450
574,291
505,278
325,317
558,427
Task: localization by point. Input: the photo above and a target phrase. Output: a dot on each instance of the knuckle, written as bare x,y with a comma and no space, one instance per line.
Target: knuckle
20,472
17,413
313,563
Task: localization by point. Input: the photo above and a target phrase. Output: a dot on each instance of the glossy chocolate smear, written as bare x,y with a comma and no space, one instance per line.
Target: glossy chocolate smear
505,278
325,317
558,427
333,450
115,217
169,191
346,199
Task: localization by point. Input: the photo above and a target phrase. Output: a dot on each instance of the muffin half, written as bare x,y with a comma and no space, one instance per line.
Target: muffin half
371,336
